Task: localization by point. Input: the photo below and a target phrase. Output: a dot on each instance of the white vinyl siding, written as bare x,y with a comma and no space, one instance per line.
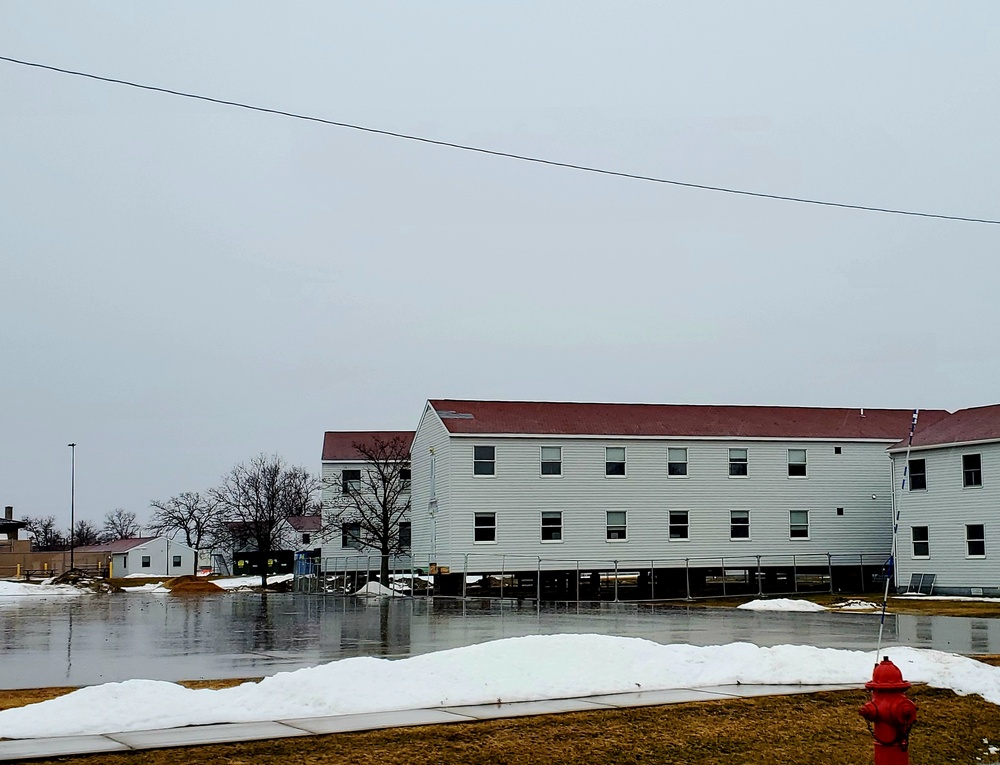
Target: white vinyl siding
948,510
583,494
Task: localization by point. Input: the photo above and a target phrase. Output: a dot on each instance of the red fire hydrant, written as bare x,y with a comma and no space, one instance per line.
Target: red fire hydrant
892,714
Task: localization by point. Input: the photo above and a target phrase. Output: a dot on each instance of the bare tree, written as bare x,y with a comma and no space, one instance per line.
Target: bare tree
84,533
377,501
258,496
195,516
119,524
45,535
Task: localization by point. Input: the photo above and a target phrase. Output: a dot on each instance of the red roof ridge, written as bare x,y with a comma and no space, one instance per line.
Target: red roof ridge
676,420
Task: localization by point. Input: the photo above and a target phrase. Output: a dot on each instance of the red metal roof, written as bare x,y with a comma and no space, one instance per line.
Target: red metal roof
339,445
305,522
118,546
679,420
980,423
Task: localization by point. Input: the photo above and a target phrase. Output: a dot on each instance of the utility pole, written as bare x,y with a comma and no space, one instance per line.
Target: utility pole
72,507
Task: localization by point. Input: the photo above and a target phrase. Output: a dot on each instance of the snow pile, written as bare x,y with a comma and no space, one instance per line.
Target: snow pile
514,669
158,587
856,605
20,589
247,582
374,590
781,604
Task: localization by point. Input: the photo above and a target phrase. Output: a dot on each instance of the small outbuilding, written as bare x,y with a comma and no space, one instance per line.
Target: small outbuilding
148,556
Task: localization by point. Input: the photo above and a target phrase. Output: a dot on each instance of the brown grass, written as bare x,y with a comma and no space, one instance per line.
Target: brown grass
971,609
797,730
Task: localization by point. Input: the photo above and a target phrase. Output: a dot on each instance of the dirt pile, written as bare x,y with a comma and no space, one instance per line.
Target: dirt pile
83,580
191,585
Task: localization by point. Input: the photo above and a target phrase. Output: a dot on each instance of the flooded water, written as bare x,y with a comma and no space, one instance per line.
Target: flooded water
87,640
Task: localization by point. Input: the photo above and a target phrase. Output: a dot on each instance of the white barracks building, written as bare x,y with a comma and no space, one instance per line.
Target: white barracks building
565,500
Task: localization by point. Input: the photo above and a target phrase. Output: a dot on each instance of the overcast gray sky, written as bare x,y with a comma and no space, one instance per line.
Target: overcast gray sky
186,285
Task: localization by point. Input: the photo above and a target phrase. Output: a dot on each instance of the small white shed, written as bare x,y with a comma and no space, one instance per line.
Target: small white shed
150,556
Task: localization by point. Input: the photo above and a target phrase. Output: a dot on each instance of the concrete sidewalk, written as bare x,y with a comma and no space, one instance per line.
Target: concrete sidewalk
223,733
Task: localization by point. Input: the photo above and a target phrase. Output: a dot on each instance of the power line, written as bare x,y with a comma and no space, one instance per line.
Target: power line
493,152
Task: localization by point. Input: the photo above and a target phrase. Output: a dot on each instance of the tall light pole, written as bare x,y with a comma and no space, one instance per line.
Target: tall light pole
72,506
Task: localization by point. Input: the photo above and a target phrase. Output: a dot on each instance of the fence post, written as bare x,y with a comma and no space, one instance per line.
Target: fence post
652,577
503,569
578,581
829,568
538,583
465,574
723,560
795,573
760,579
687,579
616,580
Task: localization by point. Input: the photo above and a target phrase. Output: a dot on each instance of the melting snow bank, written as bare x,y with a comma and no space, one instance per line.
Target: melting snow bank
248,582
781,604
514,669
19,589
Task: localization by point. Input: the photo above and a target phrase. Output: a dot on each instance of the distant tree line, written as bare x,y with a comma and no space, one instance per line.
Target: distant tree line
247,510
46,535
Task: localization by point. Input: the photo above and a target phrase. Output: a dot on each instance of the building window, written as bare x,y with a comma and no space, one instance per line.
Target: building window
972,470
917,470
350,481
678,524
485,530
351,536
840,511
739,463
176,562
798,524
405,535
305,539
614,461
739,524
552,526
617,525
838,450
145,561
921,542
796,463
975,540
484,460
551,460
404,477
677,462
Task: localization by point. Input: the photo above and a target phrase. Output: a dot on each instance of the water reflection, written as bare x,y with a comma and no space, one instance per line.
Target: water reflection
95,639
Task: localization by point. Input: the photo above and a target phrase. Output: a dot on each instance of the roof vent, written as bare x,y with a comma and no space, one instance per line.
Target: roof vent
447,414
862,411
